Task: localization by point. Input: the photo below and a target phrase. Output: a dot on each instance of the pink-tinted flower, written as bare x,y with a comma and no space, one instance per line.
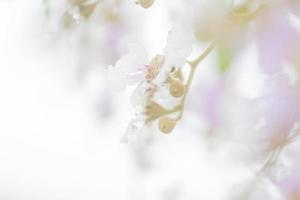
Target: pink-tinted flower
207,102
280,109
277,40
290,183
290,186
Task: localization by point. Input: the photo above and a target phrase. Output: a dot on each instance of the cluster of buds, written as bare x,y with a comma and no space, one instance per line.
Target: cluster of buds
176,89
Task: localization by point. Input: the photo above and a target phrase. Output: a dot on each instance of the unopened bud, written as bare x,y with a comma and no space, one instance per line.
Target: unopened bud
176,88
145,3
166,124
87,10
76,2
67,20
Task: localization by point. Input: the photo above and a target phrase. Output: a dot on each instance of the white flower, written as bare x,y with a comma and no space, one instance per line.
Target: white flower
132,68
152,97
179,45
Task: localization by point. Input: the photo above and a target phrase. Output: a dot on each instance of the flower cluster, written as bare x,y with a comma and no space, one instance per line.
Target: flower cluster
161,86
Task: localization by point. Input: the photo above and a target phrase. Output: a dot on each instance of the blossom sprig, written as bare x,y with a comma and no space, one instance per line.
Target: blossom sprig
160,85
165,81
179,90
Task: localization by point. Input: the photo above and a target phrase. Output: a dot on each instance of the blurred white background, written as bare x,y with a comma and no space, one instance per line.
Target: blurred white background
55,145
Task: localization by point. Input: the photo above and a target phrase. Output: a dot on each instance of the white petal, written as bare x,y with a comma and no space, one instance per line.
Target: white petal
134,60
137,97
132,131
179,45
116,78
137,134
135,78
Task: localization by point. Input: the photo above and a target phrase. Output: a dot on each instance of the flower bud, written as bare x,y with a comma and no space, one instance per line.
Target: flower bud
87,10
166,124
176,88
76,2
145,3
67,20
153,111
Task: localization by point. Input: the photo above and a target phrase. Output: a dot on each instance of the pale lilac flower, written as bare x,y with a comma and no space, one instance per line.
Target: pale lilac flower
280,109
207,102
294,6
289,184
277,40
212,102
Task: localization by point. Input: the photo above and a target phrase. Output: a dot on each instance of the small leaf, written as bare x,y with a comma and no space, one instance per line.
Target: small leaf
225,56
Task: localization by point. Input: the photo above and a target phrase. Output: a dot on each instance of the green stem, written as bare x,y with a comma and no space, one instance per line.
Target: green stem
193,65
203,55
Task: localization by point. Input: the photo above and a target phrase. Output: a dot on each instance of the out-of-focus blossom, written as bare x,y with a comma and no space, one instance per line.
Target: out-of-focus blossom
291,6
291,186
94,31
89,32
268,124
289,183
255,188
280,110
209,23
223,22
212,102
277,40
207,101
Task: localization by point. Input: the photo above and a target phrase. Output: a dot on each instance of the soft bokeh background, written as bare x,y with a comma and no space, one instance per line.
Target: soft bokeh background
61,123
